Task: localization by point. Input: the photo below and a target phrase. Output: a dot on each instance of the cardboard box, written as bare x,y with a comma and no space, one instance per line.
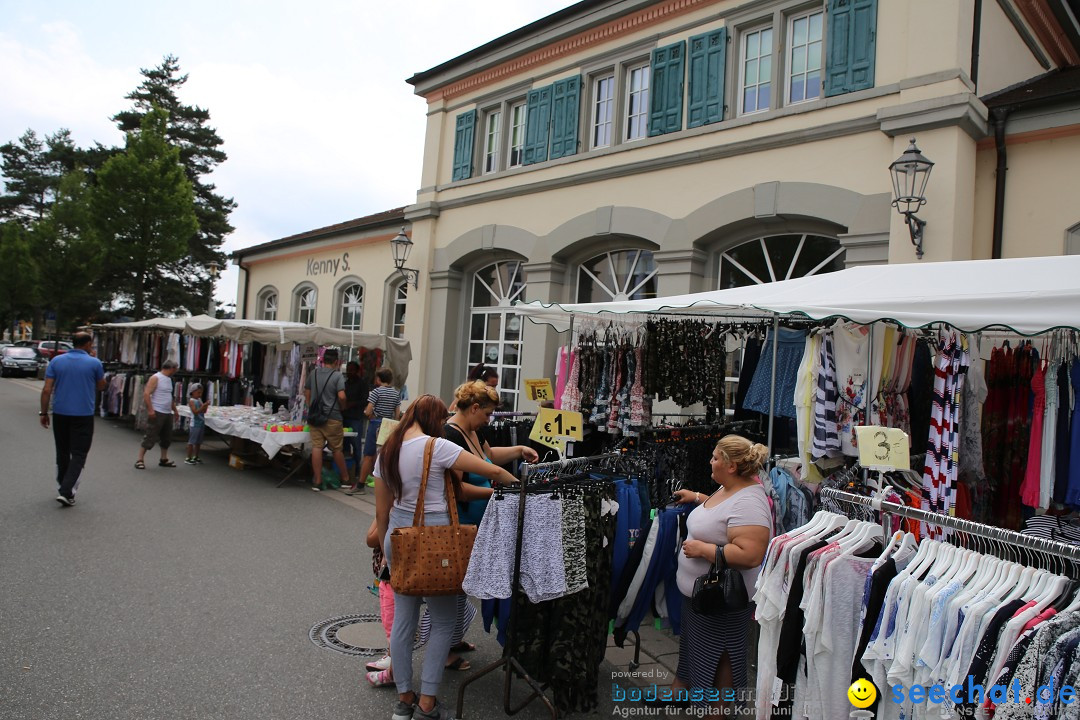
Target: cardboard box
236,462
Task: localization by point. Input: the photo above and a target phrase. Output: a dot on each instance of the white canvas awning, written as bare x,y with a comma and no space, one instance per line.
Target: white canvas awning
398,352
1027,295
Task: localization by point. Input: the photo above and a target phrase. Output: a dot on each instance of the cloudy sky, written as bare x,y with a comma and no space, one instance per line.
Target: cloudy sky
310,98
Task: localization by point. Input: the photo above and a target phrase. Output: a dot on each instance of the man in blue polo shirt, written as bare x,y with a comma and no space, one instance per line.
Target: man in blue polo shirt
74,377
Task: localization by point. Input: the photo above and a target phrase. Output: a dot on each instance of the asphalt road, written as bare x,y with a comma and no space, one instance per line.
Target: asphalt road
181,593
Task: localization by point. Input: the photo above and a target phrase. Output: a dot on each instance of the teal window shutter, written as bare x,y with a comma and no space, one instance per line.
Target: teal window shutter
708,53
666,89
464,132
565,116
537,125
851,46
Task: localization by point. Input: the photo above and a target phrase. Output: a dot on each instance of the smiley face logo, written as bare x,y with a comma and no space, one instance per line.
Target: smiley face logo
862,693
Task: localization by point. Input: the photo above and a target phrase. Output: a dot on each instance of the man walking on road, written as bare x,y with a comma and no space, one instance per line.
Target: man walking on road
161,414
74,378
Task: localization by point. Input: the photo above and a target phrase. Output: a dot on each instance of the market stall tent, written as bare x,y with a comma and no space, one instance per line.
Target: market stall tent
398,352
1026,295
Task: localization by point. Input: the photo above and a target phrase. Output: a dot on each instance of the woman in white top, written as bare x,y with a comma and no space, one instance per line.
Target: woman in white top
397,488
736,522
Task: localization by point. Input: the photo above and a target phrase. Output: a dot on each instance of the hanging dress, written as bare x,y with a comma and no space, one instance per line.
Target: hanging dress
1029,489
1072,493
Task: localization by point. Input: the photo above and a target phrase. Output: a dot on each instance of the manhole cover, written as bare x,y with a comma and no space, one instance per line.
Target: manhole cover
351,635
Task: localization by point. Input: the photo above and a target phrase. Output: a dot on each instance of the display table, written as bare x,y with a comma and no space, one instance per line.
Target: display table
246,423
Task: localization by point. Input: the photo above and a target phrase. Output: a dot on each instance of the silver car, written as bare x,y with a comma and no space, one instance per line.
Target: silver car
19,361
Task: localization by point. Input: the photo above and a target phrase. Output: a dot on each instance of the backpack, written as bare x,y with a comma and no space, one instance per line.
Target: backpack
318,413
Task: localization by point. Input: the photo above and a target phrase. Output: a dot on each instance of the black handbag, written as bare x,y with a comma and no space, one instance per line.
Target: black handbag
720,590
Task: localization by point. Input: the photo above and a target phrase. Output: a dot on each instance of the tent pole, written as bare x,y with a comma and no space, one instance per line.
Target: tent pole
772,382
868,387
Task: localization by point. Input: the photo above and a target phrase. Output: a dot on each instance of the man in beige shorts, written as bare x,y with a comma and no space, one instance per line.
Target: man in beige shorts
326,386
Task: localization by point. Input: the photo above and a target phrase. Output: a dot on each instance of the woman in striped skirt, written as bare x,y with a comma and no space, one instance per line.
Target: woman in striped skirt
736,522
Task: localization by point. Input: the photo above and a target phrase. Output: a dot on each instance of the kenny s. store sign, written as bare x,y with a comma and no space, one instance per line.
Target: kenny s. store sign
328,267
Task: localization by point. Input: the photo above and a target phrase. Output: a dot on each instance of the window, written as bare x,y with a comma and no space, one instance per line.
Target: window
1072,240
603,106
779,257
492,121
617,275
495,332
304,302
397,312
517,134
268,305
352,307
755,71
804,57
637,102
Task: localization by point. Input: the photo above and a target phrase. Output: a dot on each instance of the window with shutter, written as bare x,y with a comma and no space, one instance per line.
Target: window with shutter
565,116
464,132
537,125
708,53
666,101
851,46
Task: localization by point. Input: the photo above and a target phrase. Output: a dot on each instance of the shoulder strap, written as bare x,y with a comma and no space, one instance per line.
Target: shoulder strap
418,515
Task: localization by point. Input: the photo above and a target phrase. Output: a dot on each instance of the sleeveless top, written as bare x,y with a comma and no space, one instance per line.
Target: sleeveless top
162,398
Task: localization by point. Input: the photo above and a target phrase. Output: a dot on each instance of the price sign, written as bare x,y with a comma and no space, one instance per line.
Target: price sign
551,425
385,428
882,448
540,390
308,352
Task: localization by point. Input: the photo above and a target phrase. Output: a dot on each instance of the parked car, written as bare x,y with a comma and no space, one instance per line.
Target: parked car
47,348
21,361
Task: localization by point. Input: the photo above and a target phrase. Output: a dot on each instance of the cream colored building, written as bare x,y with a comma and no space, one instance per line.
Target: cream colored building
340,276
623,148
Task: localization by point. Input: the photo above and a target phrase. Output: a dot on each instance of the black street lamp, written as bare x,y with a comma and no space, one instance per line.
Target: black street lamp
212,267
401,246
910,173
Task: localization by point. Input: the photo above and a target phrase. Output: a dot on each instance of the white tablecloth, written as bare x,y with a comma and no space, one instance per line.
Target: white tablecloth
271,442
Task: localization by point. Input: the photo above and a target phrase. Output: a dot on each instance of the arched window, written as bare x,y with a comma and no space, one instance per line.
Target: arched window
268,304
494,330
352,306
617,275
399,295
779,257
304,302
1072,240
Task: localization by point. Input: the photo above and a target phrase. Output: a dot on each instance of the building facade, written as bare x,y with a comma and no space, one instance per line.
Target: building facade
627,148
340,276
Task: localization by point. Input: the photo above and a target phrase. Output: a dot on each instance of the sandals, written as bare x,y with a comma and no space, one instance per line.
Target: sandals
166,463
140,465
460,664
463,647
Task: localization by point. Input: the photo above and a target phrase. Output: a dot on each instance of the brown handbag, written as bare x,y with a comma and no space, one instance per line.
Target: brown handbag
431,559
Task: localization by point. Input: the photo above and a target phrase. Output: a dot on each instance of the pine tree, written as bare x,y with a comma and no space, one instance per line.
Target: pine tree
32,170
200,152
143,207
18,275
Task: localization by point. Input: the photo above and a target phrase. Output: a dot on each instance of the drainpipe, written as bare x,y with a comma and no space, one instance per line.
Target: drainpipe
243,303
976,36
999,117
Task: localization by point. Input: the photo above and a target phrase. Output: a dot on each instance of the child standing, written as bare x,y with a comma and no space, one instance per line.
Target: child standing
198,423
383,402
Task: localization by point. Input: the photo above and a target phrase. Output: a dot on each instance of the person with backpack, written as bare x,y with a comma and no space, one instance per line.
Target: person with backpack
325,396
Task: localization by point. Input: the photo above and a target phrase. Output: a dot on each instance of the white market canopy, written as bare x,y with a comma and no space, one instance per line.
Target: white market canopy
1027,295
269,332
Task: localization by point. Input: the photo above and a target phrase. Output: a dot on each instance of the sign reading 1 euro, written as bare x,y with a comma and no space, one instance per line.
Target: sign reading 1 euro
540,390
552,427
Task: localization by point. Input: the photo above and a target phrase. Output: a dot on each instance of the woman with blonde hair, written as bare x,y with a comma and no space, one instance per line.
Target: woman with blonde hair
734,522
474,402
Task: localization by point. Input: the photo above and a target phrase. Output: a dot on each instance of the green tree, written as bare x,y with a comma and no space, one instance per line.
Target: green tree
187,128
70,255
18,274
32,170
144,209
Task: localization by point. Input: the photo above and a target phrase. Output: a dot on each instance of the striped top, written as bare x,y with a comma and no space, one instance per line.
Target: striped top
386,400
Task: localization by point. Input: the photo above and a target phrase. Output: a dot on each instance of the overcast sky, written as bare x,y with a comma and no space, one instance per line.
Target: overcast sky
310,98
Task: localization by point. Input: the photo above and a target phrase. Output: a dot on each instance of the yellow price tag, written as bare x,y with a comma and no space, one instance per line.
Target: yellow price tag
385,428
551,425
882,448
540,390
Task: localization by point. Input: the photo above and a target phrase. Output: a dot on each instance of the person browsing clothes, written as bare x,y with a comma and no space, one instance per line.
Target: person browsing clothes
383,402
326,386
161,415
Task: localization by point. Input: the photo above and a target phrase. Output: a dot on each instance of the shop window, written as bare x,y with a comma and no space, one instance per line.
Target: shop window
617,275
304,302
495,331
352,307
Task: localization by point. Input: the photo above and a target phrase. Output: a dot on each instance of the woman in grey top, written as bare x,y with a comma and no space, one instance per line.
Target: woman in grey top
397,489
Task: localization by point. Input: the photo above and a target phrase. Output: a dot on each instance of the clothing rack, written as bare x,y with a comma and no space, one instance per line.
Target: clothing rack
512,414
510,665
973,529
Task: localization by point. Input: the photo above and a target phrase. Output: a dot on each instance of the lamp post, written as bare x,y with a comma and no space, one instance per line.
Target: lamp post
910,173
401,246
212,267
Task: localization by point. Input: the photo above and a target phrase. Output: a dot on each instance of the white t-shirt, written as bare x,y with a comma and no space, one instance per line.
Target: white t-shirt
749,506
411,464
162,397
